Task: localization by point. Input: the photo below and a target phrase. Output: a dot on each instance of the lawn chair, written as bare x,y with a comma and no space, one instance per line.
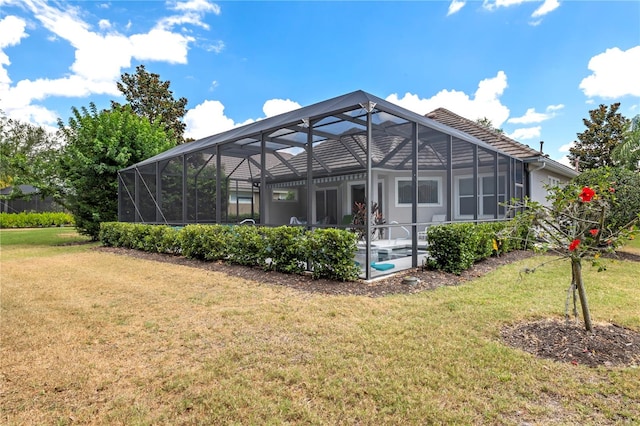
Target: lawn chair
435,219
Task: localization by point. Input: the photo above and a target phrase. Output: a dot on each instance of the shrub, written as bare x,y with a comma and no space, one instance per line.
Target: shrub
161,239
247,245
331,253
452,247
286,249
35,220
205,242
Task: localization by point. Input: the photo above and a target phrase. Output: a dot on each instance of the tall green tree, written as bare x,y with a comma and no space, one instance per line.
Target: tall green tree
628,152
27,155
606,128
150,97
98,144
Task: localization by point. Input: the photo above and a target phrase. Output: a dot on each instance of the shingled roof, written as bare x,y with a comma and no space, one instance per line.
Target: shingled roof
496,139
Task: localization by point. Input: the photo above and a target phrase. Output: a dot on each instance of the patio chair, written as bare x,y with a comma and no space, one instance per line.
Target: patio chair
295,221
436,218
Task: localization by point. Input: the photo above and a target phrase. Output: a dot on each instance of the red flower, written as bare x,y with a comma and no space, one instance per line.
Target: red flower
574,245
593,232
587,194
612,190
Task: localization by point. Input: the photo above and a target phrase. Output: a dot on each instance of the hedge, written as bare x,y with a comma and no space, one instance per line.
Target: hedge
456,247
285,249
35,220
329,252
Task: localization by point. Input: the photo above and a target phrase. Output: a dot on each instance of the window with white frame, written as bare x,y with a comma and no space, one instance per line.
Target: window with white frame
487,203
429,192
552,182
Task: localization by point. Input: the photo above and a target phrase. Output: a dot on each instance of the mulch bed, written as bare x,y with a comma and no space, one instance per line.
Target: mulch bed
610,345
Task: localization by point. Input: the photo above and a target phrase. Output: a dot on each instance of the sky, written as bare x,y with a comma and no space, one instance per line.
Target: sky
533,67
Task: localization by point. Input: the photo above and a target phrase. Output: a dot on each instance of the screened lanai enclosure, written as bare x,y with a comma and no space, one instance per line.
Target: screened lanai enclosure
313,166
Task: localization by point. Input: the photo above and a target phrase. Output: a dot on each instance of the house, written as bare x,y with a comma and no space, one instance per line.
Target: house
26,198
542,170
313,164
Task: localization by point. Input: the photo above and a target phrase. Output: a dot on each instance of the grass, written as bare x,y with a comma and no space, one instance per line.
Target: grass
633,246
90,337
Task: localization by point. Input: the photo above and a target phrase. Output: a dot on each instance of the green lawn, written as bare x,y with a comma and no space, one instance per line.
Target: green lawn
92,337
40,241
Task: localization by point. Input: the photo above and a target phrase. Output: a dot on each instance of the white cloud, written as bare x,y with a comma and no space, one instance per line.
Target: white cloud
198,6
531,116
455,6
485,102
99,58
526,133
206,119
547,7
555,107
614,74
160,45
192,13
216,47
12,30
278,106
565,160
494,4
566,147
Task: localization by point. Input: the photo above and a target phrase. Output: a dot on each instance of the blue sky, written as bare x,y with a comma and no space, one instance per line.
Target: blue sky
534,67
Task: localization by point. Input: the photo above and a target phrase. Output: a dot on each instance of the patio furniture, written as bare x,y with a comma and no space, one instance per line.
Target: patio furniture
435,219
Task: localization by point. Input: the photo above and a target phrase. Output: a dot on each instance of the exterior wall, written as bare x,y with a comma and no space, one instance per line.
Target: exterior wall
279,212
401,213
538,179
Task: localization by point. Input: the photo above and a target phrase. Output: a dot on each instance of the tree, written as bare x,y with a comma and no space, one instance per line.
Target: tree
577,226
605,131
628,153
625,205
98,145
485,122
27,155
150,97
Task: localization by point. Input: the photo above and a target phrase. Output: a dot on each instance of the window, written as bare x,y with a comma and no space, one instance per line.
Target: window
429,192
240,198
285,195
466,203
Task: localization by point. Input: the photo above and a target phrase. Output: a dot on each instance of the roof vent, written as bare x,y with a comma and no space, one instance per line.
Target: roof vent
541,144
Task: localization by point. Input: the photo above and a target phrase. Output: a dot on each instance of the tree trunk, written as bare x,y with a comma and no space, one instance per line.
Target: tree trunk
576,272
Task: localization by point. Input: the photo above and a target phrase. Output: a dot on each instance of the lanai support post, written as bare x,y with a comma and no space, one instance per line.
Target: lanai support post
136,197
414,203
496,176
450,200
263,181
475,180
307,123
184,189
369,189
218,185
159,214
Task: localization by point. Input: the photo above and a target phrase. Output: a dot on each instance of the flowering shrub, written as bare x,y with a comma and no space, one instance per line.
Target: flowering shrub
576,226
